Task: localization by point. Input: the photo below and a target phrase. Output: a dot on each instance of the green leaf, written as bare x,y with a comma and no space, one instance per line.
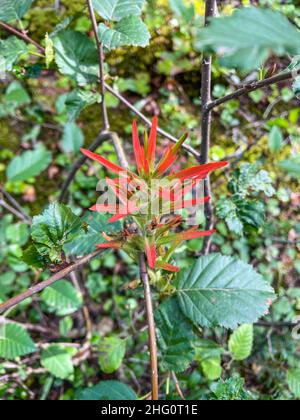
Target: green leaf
86,243
208,354
77,100
260,32
187,13
130,30
58,361
222,291
62,297
247,180
76,57
111,353
73,138
275,139
230,390
175,337
15,341
17,95
53,228
291,166
118,9
11,10
29,164
293,380
241,342
10,51
107,390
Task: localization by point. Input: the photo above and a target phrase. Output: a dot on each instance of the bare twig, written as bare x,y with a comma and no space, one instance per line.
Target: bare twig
151,326
250,87
13,211
41,286
14,203
22,35
101,64
177,385
210,10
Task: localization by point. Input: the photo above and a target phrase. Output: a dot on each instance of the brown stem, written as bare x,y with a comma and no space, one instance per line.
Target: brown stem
13,211
210,10
22,35
15,204
177,386
101,64
250,87
151,326
41,286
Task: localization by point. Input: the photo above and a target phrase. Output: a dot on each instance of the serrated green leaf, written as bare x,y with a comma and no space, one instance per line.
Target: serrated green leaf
230,390
118,9
212,368
10,51
111,353
130,30
107,390
53,229
87,242
62,297
275,139
222,291
76,57
241,342
15,341
29,164
72,139
293,380
56,360
260,32
77,100
175,337
11,10
208,354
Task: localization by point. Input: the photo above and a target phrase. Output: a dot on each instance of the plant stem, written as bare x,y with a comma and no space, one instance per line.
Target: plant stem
151,326
101,64
22,35
210,10
41,286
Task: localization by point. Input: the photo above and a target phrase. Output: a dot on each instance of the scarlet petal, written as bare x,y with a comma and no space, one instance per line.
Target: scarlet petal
109,165
199,171
110,245
186,236
137,147
152,141
151,255
104,208
168,267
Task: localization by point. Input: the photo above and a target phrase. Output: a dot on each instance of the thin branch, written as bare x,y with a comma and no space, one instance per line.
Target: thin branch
151,326
101,64
14,203
41,286
22,35
250,87
210,10
103,136
177,386
13,211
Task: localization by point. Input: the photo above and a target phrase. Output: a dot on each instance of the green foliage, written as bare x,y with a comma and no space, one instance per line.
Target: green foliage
275,139
11,10
222,291
245,211
107,390
111,353
259,32
96,224
77,100
293,380
73,138
208,354
56,226
116,10
241,342
62,297
175,337
183,11
58,361
15,341
10,51
76,56
291,166
29,164
230,390
128,31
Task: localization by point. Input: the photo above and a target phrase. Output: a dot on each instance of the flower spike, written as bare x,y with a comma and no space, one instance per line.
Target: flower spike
109,165
152,142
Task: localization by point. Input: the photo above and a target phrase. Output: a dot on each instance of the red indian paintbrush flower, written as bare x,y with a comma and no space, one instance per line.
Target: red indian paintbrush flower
135,198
